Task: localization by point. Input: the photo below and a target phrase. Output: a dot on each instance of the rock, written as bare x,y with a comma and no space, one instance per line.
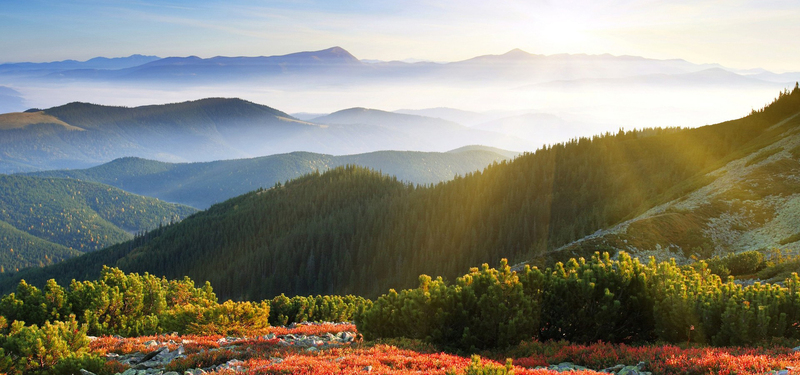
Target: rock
129,371
613,369
85,372
171,373
368,368
151,343
152,354
312,349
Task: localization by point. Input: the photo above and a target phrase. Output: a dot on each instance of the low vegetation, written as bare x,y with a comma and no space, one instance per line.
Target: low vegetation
531,316
584,301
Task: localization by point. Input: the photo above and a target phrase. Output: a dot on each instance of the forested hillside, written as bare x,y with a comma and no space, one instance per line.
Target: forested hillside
351,230
203,184
45,220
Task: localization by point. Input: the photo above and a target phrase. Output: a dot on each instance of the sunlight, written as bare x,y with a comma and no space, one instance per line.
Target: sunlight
564,30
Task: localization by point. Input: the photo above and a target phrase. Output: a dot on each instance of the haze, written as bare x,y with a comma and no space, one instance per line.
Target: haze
754,41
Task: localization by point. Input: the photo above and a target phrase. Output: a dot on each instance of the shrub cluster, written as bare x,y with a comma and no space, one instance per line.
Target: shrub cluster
46,329
285,310
600,299
132,305
746,263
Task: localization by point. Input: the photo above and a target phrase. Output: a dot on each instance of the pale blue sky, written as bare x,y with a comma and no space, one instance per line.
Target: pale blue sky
735,33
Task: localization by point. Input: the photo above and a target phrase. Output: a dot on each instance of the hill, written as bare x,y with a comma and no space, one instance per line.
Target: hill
537,128
81,135
751,204
46,220
351,230
203,184
443,133
467,118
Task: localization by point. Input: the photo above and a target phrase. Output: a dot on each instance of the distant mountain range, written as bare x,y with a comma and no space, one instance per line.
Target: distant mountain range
80,135
336,65
97,63
203,184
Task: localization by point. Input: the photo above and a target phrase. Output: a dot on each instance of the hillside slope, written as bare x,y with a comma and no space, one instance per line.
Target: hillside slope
81,135
753,203
203,184
351,230
45,220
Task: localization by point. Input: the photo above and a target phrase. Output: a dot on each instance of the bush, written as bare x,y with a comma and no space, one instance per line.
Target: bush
485,308
587,301
29,348
478,368
229,318
284,310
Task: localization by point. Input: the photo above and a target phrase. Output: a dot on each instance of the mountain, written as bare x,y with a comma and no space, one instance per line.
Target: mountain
95,63
337,66
81,135
203,184
333,60
45,220
352,230
446,134
537,128
306,116
471,148
458,116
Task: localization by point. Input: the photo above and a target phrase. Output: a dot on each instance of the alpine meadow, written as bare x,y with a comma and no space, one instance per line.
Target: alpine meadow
399,187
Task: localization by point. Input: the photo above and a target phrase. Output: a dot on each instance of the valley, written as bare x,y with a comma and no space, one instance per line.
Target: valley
378,187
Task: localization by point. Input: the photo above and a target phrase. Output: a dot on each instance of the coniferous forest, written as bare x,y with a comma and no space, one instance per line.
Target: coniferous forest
399,187
355,231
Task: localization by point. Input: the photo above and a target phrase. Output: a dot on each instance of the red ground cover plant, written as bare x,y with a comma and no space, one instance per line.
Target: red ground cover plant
664,359
313,329
270,356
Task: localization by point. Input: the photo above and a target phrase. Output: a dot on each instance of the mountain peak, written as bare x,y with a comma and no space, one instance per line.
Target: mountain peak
516,52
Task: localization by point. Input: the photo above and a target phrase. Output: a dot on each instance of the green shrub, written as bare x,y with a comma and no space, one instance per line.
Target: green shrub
484,309
585,301
31,349
285,310
478,368
228,318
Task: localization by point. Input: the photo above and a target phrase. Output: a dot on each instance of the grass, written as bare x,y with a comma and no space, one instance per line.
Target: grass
793,238
795,152
763,155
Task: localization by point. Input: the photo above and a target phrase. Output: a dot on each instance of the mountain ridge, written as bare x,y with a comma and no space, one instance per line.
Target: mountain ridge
204,183
211,129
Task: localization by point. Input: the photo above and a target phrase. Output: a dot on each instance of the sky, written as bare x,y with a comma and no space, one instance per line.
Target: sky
739,34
